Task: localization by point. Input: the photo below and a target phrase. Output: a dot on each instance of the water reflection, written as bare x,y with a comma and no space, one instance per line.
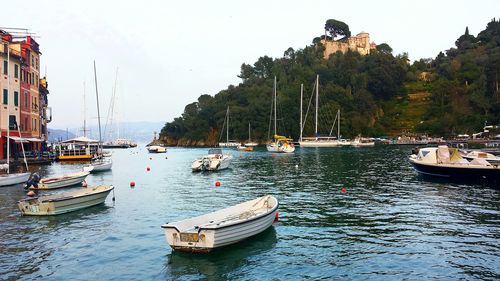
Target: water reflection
217,264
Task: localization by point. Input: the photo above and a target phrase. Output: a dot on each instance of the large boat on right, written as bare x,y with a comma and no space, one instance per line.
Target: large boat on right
446,162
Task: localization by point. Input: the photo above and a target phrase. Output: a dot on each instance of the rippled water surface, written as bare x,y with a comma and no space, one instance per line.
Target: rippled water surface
389,225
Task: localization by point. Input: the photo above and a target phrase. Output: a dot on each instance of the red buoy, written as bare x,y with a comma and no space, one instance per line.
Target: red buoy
148,169
217,183
132,183
343,190
276,217
31,193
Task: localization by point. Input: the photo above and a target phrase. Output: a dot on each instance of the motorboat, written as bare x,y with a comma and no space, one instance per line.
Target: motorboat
157,149
280,144
475,154
214,161
223,227
64,202
11,179
362,142
244,147
99,166
446,162
64,180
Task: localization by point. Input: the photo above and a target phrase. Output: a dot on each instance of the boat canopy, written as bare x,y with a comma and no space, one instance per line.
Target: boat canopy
80,140
276,137
215,151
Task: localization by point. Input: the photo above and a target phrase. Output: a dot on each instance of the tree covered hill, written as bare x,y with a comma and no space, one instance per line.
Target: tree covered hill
375,93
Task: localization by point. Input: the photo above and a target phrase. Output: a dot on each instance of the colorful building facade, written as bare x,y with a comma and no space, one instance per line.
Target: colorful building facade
24,106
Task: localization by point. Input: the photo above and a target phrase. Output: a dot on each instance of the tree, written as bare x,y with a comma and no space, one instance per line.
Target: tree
384,48
337,28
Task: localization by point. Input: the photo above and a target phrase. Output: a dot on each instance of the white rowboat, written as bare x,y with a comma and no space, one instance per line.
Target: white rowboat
64,202
223,227
61,181
98,166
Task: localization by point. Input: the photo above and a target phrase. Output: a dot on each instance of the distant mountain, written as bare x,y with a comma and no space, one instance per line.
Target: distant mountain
56,135
135,131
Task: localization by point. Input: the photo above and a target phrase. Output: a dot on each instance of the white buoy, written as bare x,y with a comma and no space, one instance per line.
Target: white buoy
296,166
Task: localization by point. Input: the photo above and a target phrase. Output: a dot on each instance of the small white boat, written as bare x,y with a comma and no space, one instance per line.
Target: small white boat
98,166
214,161
362,142
244,147
64,202
157,149
11,179
60,181
223,227
280,144
491,158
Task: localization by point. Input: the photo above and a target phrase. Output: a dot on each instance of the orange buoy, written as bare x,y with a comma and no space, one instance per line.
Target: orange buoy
31,193
132,183
148,169
343,190
217,183
84,183
276,217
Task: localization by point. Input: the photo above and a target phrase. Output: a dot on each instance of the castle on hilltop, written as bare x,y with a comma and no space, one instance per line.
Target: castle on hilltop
359,43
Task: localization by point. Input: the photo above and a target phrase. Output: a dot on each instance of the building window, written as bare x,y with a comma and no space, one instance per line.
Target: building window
5,66
26,101
16,71
16,98
36,80
12,122
26,123
5,96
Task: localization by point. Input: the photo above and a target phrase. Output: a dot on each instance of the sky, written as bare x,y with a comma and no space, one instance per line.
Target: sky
168,53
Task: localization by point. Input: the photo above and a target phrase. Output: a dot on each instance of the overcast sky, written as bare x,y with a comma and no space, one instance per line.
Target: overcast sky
170,52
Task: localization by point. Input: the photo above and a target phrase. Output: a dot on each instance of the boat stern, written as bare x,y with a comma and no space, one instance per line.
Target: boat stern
189,241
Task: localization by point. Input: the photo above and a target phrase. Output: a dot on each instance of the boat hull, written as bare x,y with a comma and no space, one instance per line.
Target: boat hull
207,239
273,147
53,183
211,163
457,172
101,167
319,143
11,179
64,202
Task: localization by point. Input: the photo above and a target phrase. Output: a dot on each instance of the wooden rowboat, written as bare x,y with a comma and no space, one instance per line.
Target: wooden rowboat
64,202
61,181
223,227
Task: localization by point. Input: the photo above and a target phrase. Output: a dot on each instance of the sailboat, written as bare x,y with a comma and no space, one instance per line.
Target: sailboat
227,143
99,164
118,142
279,144
14,178
317,140
250,143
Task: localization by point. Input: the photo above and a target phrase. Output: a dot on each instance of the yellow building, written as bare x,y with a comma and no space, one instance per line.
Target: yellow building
359,43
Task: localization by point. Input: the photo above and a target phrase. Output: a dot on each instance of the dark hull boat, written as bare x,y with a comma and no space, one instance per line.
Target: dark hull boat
447,163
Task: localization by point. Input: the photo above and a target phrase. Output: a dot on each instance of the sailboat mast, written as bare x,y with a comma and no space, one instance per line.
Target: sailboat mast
114,99
338,129
249,138
275,132
316,113
301,95
8,113
84,113
98,112
227,127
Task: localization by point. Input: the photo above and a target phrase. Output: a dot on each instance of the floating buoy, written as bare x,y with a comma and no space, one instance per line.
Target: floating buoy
272,155
148,169
276,217
166,157
84,183
217,183
132,183
343,190
31,193
150,158
296,166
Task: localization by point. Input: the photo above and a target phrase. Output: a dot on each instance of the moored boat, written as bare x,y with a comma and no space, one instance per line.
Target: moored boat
64,202
157,149
60,181
214,161
224,227
11,179
447,162
244,147
99,166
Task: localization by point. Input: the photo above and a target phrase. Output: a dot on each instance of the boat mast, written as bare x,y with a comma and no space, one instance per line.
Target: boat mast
99,147
338,129
84,113
114,99
227,127
249,138
8,108
275,105
301,94
316,113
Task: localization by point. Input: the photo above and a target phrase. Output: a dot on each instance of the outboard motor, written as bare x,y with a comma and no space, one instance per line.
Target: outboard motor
33,181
